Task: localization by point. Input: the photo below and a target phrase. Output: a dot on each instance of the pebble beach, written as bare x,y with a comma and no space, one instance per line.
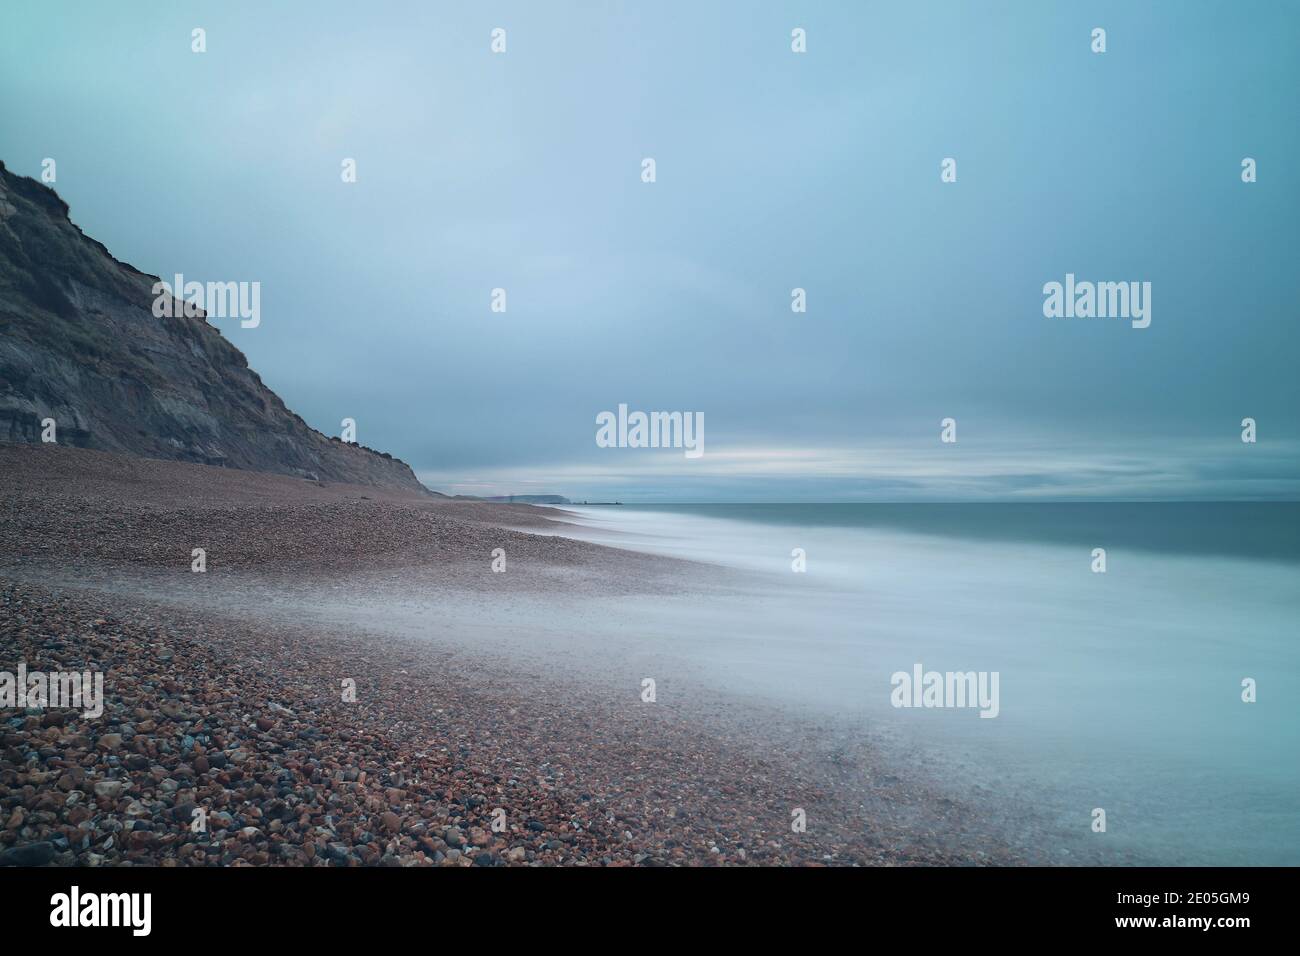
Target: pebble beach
435,758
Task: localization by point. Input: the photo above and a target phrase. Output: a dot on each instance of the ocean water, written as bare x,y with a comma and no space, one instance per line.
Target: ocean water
1119,690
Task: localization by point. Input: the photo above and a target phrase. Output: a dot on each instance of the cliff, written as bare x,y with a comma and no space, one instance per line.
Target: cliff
79,343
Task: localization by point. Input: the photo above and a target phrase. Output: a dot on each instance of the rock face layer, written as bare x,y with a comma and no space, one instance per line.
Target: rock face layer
79,343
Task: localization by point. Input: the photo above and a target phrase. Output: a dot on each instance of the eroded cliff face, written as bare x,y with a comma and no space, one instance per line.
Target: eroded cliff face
79,343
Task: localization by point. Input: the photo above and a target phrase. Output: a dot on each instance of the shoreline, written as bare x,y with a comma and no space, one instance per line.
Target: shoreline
436,737
242,714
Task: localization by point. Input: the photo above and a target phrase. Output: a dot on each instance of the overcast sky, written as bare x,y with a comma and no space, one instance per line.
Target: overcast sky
775,170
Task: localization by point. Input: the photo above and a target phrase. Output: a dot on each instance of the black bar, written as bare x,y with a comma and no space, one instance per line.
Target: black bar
366,904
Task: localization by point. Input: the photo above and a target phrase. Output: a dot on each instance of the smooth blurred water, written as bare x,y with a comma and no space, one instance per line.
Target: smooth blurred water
1120,690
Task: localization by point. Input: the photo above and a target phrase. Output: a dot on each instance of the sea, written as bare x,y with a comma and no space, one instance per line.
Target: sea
1161,686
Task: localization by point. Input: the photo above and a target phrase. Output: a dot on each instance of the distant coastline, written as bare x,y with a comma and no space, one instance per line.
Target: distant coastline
529,499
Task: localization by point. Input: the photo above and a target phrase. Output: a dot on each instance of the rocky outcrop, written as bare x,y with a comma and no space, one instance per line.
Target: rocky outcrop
79,344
